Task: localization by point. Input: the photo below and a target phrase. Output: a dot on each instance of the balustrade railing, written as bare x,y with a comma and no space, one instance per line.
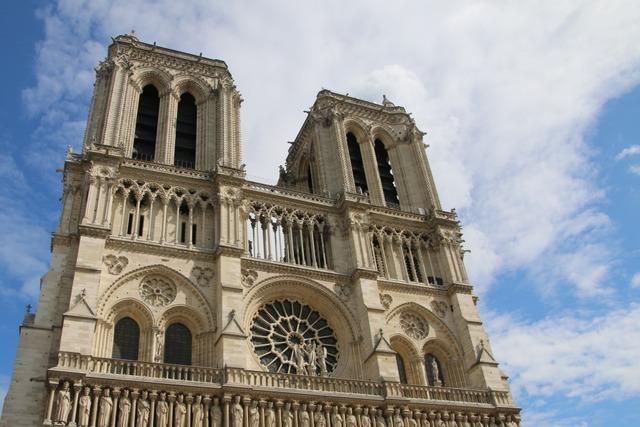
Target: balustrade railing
68,361
100,365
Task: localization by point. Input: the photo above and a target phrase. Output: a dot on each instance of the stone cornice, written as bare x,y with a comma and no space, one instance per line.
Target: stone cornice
410,288
167,57
459,288
94,231
158,249
282,268
166,171
63,239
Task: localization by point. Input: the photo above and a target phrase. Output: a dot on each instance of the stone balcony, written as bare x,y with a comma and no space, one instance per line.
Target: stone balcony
416,402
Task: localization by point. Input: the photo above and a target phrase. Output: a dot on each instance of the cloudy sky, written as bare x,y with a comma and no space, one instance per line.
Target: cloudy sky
532,114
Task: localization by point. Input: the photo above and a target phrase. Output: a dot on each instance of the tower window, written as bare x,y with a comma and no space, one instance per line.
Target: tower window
183,232
144,142
130,224
177,344
186,124
126,339
357,166
140,225
386,175
194,229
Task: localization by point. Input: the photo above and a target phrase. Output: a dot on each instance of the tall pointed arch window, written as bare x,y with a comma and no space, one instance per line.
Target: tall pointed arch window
357,166
386,174
402,372
177,344
126,339
144,141
186,124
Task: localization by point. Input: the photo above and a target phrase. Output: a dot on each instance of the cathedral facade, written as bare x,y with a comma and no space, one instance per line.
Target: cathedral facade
181,294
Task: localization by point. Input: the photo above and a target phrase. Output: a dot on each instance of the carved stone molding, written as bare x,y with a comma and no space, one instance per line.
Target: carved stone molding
414,325
157,291
115,264
248,277
202,276
386,300
439,308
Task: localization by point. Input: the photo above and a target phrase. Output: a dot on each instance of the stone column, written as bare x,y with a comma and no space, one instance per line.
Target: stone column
114,411
53,385
134,406
77,388
94,406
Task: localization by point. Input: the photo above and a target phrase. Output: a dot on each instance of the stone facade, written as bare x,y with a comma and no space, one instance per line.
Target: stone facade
312,303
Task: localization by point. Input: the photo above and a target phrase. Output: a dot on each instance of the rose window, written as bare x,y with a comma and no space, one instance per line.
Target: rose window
157,291
291,337
414,325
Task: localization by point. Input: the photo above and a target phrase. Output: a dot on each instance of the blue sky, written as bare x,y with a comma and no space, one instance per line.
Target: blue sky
532,114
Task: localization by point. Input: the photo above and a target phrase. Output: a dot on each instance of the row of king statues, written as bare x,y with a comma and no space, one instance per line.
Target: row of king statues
104,407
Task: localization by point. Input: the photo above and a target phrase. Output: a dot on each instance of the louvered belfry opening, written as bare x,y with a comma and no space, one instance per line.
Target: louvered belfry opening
186,123
144,142
386,175
357,166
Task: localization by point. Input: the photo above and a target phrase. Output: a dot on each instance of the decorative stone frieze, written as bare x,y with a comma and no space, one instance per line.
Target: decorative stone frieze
157,291
202,276
414,325
115,264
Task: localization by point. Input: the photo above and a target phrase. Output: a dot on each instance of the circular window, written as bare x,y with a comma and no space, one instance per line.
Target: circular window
414,325
291,337
157,291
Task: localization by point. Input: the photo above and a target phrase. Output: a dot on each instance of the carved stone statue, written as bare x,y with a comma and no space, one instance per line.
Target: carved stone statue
197,412
143,408
321,358
380,421
84,410
352,421
216,414
365,420
298,356
318,418
436,372
310,349
397,419
413,422
162,411
124,406
336,418
237,413
303,417
254,415
287,416
106,406
179,412
270,416
424,422
159,346
63,404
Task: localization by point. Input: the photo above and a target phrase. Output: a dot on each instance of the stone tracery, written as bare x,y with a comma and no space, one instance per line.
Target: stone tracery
291,337
157,291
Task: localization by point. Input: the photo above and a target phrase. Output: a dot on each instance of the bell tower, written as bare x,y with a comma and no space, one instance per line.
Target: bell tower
183,111
354,146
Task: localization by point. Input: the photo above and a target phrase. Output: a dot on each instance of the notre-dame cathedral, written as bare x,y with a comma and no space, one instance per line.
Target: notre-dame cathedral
181,294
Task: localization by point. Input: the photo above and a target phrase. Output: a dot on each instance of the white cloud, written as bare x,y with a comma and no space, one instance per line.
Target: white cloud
506,93
589,357
635,281
635,169
629,151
